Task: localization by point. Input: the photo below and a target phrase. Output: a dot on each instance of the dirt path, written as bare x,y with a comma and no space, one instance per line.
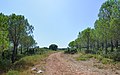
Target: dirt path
62,64
58,65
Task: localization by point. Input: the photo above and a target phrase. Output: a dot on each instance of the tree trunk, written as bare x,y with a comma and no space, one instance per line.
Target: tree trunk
33,51
116,44
14,53
21,50
88,44
3,55
27,50
13,56
79,47
102,46
106,46
3,52
97,45
111,46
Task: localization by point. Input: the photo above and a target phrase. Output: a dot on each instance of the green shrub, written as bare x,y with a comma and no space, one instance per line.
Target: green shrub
116,56
7,54
113,55
5,64
19,56
106,61
84,57
87,51
99,57
71,51
25,62
13,73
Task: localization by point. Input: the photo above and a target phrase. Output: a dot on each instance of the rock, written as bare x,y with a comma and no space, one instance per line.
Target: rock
34,69
40,71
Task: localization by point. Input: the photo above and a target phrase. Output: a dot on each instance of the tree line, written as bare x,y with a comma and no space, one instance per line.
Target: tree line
105,36
15,35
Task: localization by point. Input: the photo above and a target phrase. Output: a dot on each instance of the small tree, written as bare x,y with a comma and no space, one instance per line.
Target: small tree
53,47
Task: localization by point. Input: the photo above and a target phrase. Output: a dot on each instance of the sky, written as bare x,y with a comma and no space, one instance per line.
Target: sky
55,21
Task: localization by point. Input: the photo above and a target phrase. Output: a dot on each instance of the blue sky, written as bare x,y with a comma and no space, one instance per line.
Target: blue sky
55,21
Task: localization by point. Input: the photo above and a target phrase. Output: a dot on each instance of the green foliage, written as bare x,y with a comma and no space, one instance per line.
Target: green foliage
12,72
4,40
113,55
53,47
26,62
102,59
70,51
84,57
15,35
27,41
105,36
106,61
19,27
72,44
5,64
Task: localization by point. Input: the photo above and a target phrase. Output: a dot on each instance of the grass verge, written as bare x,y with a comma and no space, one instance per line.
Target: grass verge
21,66
100,61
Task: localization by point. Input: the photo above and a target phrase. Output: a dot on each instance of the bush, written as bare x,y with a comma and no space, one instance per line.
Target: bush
5,64
84,57
53,47
19,56
87,51
71,51
106,61
7,54
113,55
42,51
13,73
99,57
25,62
28,61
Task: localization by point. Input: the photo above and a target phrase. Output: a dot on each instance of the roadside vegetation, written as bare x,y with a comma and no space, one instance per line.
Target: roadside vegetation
16,40
21,66
18,48
103,41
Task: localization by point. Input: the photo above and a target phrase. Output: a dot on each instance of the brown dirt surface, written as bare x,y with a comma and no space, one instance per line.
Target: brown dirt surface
58,65
65,64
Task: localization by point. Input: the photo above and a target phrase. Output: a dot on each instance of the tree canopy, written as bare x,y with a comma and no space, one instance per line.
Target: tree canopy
53,47
14,29
105,33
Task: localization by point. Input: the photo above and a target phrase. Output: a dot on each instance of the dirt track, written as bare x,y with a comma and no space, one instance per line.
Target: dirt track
58,65
62,64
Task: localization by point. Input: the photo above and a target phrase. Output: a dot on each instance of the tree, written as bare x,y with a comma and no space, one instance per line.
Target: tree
86,36
115,23
109,12
4,40
17,26
106,31
27,42
53,47
72,44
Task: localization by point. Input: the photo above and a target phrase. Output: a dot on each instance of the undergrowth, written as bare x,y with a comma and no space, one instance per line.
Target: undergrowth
28,61
102,59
